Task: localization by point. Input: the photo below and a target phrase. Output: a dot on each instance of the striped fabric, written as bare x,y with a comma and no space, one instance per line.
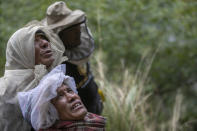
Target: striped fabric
91,122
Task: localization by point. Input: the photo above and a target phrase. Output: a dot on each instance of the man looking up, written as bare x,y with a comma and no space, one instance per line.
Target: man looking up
71,28
54,105
31,53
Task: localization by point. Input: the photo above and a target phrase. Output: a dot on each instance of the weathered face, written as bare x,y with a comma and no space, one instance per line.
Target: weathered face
68,104
43,53
70,36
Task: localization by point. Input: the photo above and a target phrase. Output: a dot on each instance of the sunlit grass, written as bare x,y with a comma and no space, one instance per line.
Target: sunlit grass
127,105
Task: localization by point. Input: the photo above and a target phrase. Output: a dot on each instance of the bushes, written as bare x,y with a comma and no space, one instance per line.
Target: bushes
128,106
125,30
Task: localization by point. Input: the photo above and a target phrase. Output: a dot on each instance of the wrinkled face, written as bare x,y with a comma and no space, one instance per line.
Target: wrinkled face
43,53
70,36
68,104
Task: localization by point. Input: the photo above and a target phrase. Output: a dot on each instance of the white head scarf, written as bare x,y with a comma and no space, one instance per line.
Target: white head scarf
35,103
21,74
59,17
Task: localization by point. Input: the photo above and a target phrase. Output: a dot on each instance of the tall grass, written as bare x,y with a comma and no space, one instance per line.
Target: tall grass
127,105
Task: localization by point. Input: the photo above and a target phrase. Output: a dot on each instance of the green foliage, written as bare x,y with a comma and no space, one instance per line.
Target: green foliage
127,105
126,30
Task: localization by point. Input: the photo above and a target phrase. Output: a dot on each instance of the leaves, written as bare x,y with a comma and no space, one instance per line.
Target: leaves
124,30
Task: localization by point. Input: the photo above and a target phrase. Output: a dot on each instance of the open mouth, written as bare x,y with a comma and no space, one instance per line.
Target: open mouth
76,106
48,53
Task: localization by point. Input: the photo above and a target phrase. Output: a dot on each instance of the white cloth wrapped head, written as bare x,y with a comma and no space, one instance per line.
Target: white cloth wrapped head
35,104
60,17
21,73
20,52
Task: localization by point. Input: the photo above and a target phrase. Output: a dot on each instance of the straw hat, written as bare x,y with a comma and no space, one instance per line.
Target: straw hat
59,16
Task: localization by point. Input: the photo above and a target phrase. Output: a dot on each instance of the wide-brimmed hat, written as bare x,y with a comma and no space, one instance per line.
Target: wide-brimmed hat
59,16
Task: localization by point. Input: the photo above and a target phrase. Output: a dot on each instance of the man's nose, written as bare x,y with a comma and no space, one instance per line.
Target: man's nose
45,44
70,97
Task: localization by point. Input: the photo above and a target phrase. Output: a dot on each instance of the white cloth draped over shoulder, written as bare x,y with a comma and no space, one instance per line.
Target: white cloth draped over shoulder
21,74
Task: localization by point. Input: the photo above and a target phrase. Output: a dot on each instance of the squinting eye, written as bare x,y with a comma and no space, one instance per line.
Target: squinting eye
60,96
44,38
70,91
37,37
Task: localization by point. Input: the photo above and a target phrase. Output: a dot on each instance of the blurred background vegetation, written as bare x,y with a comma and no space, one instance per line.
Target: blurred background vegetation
153,41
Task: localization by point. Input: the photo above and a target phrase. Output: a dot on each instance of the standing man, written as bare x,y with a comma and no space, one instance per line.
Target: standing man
71,28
